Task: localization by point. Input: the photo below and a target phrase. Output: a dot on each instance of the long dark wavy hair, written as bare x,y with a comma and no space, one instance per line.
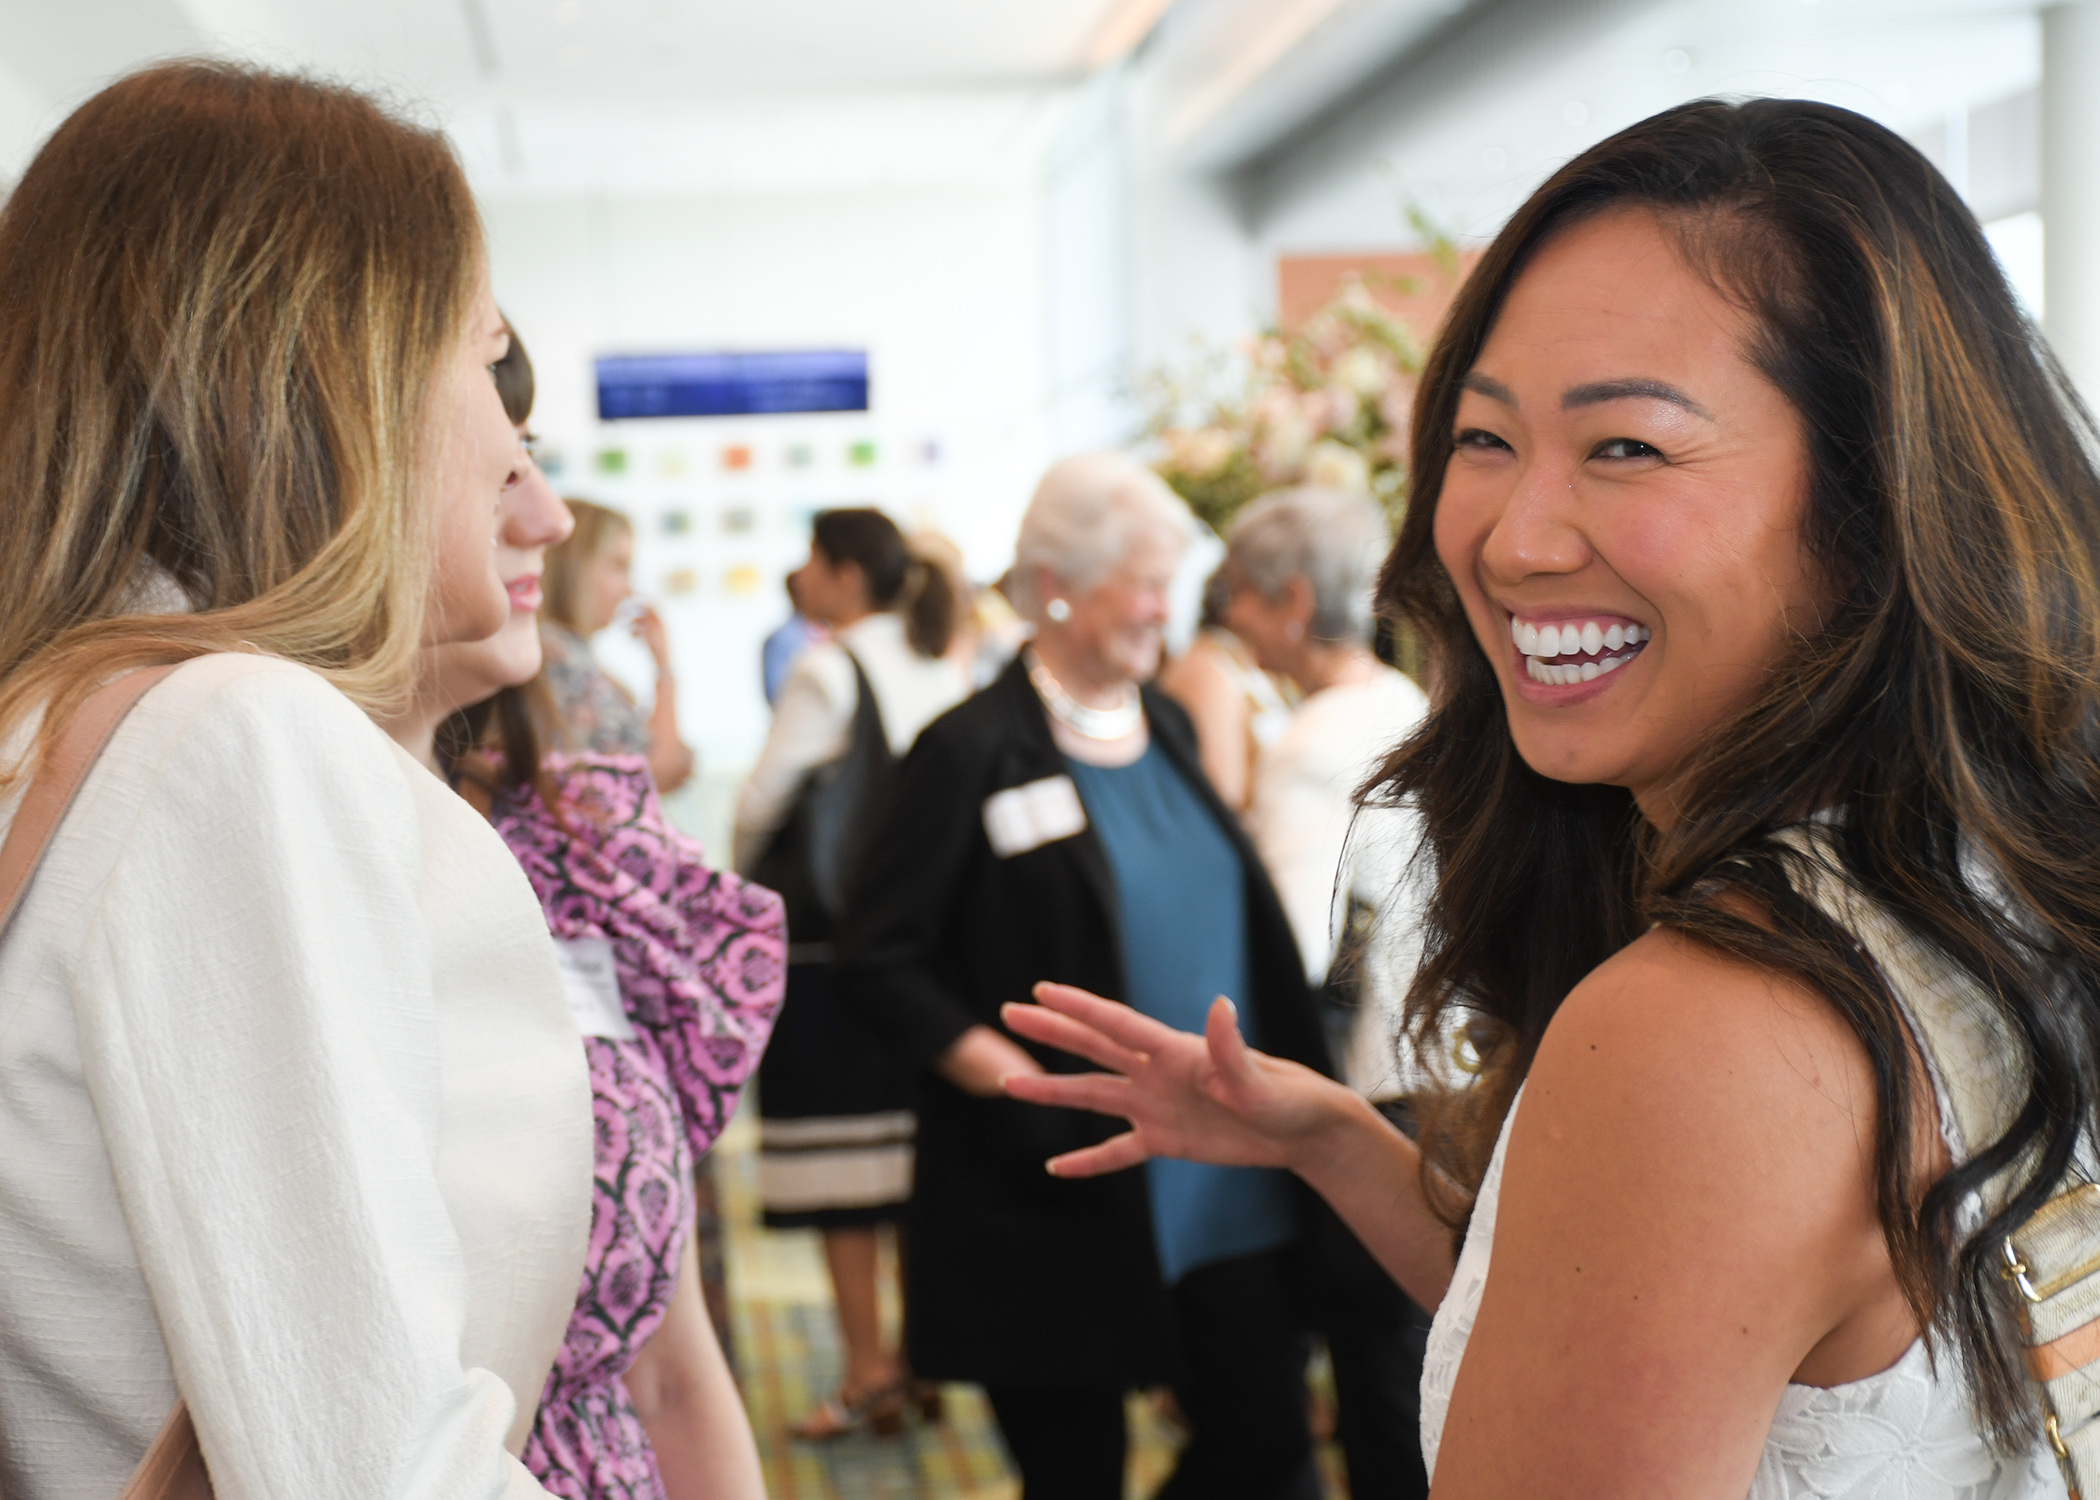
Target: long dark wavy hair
1945,710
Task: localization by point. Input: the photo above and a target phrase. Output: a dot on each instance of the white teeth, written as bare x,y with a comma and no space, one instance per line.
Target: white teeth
1540,643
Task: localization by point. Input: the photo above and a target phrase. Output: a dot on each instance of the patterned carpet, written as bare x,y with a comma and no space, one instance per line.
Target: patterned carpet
787,1350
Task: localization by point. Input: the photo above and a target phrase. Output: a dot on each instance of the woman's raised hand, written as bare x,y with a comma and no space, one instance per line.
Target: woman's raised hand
1205,1098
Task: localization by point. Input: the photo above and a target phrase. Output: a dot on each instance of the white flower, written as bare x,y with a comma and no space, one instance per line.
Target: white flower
1285,436
1362,371
1335,466
1199,451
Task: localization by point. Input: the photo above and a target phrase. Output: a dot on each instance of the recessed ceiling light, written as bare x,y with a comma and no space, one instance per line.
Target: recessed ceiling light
1575,112
1677,60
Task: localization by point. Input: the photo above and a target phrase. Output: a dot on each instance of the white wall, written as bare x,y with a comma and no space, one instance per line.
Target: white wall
942,288
1484,118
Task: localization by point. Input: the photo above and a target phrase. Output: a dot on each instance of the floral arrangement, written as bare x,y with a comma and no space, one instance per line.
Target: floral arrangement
1324,404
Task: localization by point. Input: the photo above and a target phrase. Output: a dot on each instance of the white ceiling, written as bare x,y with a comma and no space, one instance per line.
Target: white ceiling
626,95
707,96
646,97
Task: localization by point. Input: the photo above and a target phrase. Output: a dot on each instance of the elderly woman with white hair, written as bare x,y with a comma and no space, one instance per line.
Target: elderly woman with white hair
1058,826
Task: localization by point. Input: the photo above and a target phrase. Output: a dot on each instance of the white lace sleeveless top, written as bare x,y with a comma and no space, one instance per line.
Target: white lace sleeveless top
1905,1434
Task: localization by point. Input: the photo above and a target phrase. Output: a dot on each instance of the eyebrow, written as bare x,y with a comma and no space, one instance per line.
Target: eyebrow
1594,393
1635,389
1489,387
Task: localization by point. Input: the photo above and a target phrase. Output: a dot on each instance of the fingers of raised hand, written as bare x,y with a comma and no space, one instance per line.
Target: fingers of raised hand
1118,1022
1236,1063
1041,1024
1104,1093
1111,1155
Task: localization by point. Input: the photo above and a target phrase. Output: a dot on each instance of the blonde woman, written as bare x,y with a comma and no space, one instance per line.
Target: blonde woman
589,577
294,1126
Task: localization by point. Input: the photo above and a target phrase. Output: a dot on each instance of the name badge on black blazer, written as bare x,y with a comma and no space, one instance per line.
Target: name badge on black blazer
1027,817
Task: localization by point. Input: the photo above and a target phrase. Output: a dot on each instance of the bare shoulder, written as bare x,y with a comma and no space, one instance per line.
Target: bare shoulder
1687,1221
1689,1098
1200,680
1669,1033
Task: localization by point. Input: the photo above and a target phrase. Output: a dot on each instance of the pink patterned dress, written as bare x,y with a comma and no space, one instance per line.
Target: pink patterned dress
700,957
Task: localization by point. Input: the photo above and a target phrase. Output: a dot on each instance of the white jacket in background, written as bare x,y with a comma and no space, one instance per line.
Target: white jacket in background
292,1114
813,717
1320,851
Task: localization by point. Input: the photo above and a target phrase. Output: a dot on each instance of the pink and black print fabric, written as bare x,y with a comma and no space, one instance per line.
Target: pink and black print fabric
701,958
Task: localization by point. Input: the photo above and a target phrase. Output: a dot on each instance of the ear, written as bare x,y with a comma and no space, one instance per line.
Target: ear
1298,599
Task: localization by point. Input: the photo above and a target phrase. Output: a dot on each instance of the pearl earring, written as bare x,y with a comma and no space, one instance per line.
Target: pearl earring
1058,610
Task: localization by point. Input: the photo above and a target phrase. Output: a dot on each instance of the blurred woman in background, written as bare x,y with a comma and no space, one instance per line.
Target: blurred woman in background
1235,705
588,578
1059,824
1300,572
293,1126
836,1121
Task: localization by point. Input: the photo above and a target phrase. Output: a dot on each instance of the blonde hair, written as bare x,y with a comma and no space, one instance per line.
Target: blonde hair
562,586
224,297
1082,519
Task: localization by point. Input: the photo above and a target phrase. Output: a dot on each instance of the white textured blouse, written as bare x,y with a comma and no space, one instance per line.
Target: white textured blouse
813,718
1907,1433
293,1115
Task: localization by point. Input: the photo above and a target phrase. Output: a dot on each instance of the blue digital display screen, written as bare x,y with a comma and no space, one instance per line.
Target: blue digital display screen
731,385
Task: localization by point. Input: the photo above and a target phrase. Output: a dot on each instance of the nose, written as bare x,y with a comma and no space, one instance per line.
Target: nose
1539,530
533,515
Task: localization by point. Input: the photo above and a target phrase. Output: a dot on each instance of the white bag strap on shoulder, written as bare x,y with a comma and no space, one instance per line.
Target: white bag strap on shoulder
173,1468
2052,1262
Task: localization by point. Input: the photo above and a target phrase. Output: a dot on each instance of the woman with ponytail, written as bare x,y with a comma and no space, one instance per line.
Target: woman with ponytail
836,1126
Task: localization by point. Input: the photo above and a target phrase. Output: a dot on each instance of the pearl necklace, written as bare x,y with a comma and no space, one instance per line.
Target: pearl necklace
1094,723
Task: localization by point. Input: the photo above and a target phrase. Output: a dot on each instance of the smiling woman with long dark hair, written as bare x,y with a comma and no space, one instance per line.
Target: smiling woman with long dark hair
1758,544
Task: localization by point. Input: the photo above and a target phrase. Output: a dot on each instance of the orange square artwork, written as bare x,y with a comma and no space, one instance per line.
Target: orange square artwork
736,456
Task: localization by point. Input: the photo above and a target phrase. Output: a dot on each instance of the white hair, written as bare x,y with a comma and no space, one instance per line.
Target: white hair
1335,540
1085,516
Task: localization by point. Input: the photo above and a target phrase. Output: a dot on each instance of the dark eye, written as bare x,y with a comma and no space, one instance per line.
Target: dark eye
1624,448
1480,438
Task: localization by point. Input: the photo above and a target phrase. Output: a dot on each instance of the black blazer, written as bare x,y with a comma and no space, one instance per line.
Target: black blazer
1015,1276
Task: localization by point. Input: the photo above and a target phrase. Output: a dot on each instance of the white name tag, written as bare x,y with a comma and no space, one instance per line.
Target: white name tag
594,987
1022,818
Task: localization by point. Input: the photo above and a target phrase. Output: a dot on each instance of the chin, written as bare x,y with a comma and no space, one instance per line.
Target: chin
516,651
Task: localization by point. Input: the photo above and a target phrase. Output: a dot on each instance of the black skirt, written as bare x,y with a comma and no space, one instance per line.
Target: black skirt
836,1118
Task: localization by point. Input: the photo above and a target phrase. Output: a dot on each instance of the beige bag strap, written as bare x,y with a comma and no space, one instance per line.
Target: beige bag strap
2052,1262
58,780
173,1468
